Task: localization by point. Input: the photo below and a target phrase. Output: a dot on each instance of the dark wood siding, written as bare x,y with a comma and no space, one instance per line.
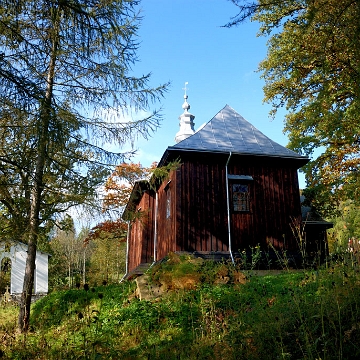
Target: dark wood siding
192,208
202,217
274,204
166,217
141,239
202,208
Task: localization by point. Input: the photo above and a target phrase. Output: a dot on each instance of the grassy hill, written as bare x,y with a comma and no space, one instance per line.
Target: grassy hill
207,311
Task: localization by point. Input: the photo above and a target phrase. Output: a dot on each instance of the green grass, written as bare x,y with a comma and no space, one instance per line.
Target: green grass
294,315
8,317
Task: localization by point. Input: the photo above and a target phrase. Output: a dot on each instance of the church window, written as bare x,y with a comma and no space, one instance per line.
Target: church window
168,204
240,197
168,200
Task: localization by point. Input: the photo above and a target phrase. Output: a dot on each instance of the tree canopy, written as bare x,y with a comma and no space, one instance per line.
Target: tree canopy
312,69
66,87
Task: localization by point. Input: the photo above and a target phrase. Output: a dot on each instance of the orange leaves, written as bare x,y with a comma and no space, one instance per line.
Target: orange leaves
117,197
119,185
129,172
118,188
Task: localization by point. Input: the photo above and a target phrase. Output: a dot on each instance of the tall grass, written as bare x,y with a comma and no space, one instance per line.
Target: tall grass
312,314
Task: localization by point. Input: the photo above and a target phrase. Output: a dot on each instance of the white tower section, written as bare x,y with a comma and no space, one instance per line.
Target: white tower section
186,121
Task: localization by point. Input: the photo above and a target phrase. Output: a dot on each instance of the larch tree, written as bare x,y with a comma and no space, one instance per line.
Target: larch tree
312,69
65,85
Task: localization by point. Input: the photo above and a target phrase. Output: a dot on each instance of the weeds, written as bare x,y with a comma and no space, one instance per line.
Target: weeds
309,314
249,260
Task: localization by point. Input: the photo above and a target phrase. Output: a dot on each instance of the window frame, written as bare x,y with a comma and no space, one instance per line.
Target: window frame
240,182
167,191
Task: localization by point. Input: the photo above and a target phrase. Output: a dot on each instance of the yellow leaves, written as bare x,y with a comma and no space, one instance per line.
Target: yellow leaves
337,169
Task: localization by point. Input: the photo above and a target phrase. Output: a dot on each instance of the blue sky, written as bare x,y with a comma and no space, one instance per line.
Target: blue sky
183,41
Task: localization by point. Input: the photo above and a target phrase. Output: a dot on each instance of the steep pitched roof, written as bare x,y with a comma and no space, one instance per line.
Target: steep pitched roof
228,132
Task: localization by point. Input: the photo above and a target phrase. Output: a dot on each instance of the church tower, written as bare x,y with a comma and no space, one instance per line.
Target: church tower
186,121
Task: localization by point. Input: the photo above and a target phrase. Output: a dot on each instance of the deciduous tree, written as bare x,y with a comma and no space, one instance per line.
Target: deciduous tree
111,234
69,254
313,69
346,233
107,260
119,184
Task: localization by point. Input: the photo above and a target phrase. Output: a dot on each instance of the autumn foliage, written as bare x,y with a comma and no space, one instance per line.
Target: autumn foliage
118,189
119,185
116,228
312,70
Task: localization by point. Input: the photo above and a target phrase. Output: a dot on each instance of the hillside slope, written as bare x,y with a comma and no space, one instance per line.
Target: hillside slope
206,311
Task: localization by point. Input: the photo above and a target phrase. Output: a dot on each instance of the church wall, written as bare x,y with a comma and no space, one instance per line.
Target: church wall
202,211
166,217
192,208
274,201
141,240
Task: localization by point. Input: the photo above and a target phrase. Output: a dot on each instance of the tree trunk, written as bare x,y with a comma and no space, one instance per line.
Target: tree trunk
34,218
24,314
69,276
25,302
84,267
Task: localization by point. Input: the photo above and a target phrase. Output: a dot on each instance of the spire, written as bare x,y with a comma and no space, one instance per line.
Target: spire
186,121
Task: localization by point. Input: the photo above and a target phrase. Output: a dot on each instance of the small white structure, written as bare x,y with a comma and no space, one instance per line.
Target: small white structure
17,253
186,121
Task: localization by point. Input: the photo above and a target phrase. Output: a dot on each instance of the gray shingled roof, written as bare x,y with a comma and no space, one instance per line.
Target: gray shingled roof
229,131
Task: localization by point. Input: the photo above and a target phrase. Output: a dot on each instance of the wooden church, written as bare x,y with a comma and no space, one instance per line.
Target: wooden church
234,189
